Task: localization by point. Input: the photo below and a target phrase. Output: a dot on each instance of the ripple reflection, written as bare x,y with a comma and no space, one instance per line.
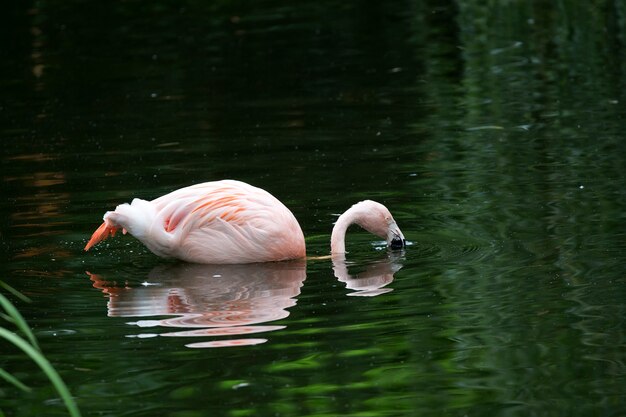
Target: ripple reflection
213,300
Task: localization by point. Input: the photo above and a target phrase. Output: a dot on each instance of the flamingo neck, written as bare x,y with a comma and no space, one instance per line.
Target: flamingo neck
338,236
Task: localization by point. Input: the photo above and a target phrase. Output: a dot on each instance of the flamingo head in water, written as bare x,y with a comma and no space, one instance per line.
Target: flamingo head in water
371,216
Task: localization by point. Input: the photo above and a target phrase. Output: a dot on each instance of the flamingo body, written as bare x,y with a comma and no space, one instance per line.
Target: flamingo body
220,222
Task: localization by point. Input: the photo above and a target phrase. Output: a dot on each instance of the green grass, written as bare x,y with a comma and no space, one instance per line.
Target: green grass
28,344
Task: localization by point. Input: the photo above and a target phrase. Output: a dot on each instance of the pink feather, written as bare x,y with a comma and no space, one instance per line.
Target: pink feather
221,222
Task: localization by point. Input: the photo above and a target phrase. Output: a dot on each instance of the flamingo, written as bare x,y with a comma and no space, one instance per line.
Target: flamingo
231,222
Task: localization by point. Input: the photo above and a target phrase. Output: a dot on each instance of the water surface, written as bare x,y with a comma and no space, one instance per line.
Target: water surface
493,134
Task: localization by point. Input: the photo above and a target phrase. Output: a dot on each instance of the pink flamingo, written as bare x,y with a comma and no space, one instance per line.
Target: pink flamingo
230,222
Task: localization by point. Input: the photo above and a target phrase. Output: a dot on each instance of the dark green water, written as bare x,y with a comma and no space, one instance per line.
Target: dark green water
495,135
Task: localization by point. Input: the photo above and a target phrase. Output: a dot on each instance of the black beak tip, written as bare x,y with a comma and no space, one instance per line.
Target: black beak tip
397,243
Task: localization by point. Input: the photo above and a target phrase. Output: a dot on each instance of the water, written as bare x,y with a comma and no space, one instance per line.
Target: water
494,135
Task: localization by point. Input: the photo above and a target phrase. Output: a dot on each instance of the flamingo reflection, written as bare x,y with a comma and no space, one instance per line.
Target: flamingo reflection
209,300
372,280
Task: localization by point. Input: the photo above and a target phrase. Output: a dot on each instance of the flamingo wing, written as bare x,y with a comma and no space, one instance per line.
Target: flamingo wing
228,222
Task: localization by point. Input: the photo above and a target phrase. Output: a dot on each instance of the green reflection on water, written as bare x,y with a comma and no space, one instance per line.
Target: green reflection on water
493,132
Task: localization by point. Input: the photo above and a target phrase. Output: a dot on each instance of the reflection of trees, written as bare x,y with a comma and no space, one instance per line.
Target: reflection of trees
527,170
41,214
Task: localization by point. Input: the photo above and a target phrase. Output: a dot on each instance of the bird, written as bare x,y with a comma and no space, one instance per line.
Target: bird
232,222
217,222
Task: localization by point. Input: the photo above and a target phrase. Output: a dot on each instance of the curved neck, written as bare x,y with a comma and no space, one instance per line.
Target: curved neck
338,236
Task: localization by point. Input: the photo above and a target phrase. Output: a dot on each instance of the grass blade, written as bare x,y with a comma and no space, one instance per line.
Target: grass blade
18,320
46,367
13,380
15,292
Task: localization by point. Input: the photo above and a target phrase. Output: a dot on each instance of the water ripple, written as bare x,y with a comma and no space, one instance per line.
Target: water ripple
451,248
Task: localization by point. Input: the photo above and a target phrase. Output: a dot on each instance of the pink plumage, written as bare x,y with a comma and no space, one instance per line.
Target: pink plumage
220,222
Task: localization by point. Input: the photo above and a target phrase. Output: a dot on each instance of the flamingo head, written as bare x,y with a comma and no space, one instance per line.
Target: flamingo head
376,218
